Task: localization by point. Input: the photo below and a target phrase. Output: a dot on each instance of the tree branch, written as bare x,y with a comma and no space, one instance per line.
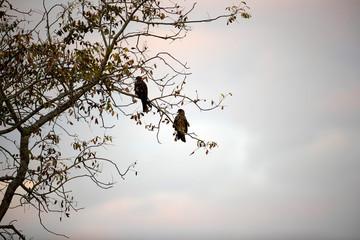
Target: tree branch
12,227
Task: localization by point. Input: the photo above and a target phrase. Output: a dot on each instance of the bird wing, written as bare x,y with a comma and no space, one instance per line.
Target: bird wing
181,123
141,89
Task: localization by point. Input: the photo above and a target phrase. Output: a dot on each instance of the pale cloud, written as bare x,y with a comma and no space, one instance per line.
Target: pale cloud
287,164
343,100
333,141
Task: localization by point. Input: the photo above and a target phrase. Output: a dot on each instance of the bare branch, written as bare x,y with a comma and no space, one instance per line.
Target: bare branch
12,227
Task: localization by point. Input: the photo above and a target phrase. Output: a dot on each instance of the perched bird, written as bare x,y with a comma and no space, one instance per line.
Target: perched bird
181,125
142,92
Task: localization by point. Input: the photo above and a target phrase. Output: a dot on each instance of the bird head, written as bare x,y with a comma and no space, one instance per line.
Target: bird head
181,111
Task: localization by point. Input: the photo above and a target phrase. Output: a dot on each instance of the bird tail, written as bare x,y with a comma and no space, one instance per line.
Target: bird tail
149,104
144,105
181,136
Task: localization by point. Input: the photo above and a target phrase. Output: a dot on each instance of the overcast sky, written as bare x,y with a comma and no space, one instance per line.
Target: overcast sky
288,162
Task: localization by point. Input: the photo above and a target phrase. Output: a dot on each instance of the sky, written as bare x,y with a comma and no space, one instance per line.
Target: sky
288,161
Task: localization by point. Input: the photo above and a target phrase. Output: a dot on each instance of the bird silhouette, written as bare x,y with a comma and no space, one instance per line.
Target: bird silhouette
141,91
181,125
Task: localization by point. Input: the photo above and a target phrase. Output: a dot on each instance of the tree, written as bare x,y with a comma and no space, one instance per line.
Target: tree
77,62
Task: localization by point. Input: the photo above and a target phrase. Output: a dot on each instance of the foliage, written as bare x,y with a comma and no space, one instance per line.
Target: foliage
77,62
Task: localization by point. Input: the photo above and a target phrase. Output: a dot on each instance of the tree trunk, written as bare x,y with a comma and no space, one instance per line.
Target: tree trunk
20,176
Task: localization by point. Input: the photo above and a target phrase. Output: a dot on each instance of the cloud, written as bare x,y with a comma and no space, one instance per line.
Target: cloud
287,163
